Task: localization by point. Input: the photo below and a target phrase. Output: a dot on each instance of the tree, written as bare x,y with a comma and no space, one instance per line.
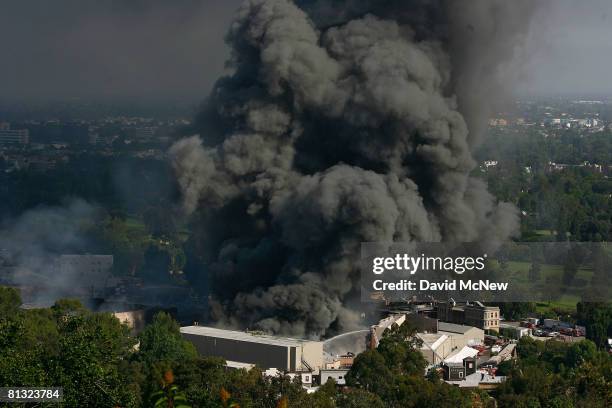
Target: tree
570,269
162,341
10,300
534,271
358,398
370,372
516,310
399,347
555,374
504,368
64,307
169,396
201,379
597,318
395,373
580,352
86,366
433,376
325,397
127,244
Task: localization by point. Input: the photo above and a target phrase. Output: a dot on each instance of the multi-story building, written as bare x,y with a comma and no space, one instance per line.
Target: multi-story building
13,136
145,133
470,313
484,317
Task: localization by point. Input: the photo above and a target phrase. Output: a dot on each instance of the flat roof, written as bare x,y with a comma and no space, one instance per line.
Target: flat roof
479,377
238,365
244,336
454,328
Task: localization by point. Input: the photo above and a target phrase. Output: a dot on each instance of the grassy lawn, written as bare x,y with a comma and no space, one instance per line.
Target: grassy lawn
134,223
518,272
566,305
545,233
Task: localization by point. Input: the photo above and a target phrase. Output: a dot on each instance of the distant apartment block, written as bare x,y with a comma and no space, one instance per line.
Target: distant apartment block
470,313
10,136
145,132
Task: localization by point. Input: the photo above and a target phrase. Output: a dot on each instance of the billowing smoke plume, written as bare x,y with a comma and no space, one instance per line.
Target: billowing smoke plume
342,122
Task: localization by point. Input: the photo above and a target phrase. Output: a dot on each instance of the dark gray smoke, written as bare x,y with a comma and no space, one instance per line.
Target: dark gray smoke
342,122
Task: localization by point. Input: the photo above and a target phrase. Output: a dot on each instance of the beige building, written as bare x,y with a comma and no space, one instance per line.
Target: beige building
485,317
470,313
462,335
448,340
436,347
134,319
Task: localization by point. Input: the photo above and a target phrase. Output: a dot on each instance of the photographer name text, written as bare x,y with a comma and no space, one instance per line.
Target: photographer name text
452,285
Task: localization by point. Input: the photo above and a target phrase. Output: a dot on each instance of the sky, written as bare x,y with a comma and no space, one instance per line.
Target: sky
569,51
174,49
112,48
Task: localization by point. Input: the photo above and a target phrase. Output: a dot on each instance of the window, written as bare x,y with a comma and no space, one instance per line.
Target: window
306,378
339,377
460,374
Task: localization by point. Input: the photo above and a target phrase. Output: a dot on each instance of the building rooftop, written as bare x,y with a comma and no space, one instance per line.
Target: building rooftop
432,340
461,306
335,370
462,354
478,378
244,336
388,321
454,328
505,354
238,365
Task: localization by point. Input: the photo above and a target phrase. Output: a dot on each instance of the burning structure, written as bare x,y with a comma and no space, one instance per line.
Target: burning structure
92,282
341,123
89,276
46,254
